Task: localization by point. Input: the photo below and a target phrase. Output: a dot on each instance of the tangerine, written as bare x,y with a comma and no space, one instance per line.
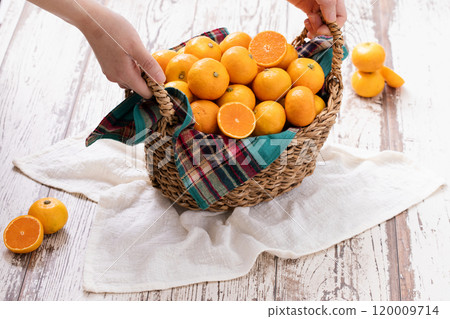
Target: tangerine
23,234
291,55
183,87
235,39
271,84
392,79
51,212
178,67
268,48
368,56
300,107
238,93
306,72
240,65
270,118
203,47
205,116
367,84
163,57
236,120
208,79
319,104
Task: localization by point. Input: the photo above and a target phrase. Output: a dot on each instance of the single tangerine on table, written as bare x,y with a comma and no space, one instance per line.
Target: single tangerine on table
300,106
306,72
178,67
183,87
208,79
23,234
367,84
235,39
205,116
163,57
236,120
291,55
240,65
238,93
268,48
271,84
51,212
270,118
392,79
368,56
203,47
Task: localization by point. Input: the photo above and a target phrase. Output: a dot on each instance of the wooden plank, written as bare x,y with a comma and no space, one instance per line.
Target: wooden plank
424,232
356,269
39,83
11,15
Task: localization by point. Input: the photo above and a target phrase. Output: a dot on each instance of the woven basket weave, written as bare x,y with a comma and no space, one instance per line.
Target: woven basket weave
279,177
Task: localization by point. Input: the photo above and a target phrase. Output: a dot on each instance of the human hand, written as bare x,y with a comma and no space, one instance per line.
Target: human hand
332,11
120,51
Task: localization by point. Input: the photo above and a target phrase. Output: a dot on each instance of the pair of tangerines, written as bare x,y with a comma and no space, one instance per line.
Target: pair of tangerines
224,82
371,73
25,233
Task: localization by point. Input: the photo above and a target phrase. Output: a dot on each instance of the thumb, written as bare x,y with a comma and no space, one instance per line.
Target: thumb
149,65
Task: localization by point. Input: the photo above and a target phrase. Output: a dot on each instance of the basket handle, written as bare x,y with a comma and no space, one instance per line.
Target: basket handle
333,80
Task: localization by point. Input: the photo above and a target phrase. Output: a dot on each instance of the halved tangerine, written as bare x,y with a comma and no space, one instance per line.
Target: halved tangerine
268,48
236,120
23,234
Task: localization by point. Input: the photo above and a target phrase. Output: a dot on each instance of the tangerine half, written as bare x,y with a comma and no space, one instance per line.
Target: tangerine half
236,120
268,48
23,234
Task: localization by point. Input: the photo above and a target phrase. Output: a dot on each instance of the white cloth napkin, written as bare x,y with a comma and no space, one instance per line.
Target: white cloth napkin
140,242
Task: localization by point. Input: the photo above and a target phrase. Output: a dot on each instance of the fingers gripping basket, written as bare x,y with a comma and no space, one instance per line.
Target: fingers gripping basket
279,177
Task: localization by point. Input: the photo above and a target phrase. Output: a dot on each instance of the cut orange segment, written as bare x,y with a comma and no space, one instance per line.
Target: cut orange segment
236,120
268,48
392,79
23,234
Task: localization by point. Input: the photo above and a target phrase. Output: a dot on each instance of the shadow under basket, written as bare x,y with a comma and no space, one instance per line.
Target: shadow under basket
282,175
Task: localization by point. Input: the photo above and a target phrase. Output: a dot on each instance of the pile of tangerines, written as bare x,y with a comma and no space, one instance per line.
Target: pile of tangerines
368,80
245,86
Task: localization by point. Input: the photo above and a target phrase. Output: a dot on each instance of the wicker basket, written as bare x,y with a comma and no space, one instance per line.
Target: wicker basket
276,179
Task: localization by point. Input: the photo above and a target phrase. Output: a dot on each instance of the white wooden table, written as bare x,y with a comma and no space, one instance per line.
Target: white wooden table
51,87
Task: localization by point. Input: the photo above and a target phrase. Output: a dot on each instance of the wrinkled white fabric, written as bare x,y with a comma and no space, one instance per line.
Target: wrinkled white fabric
140,242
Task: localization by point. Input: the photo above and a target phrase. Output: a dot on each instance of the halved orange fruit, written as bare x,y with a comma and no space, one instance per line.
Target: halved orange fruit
268,48
23,234
236,120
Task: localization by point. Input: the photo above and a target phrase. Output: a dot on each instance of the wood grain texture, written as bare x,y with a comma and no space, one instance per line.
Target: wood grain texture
53,87
8,26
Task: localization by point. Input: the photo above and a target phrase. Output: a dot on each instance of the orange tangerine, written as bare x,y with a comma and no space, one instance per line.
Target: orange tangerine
392,79
367,84
205,116
268,48
270,118
368,56
23,234
240,65
235,39
51,212
183,87
163,57
306,72
208,79
300,106
291,55
319,104
203,47
238,93
178,67
236,120
271,84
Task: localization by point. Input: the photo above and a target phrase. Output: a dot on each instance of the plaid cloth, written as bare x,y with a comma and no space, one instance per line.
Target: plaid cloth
209,165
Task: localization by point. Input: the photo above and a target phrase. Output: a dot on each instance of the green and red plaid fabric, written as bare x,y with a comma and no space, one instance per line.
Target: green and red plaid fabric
209,165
